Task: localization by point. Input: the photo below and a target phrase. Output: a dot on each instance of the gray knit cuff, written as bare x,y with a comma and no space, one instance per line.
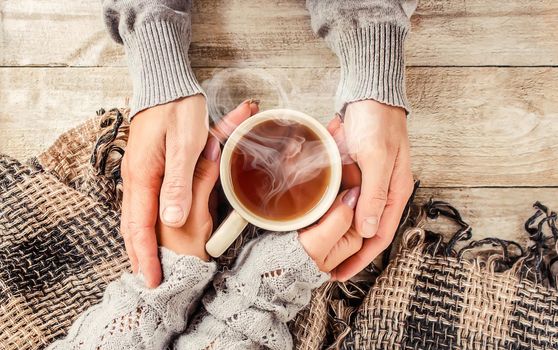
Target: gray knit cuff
174,264
372,65
159,65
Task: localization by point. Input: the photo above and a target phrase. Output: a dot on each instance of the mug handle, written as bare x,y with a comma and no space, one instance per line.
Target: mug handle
225,234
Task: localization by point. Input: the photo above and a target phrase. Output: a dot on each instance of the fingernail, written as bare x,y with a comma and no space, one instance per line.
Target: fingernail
212,149
350,198
173,214
370,226
254,101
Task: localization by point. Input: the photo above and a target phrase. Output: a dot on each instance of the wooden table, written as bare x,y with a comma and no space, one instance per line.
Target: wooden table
482,77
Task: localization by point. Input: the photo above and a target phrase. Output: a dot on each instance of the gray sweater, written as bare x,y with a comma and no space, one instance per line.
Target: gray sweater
366,35
246,308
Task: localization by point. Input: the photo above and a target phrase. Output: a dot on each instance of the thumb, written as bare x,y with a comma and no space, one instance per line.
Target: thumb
376,170
176,190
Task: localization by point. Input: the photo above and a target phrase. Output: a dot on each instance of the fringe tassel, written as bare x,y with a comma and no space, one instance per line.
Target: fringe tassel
538,262
108,151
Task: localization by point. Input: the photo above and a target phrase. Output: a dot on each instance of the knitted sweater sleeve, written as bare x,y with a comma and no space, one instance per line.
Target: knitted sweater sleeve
368,38
249,306
156,37
132,316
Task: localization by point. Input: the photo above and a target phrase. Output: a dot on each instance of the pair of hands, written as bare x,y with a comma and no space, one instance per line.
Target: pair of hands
160,178
328,242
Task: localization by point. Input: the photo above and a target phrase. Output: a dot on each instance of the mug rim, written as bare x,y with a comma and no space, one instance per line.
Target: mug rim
329,195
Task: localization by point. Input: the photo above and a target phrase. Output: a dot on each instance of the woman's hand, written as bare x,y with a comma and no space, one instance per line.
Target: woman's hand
374,135
190,238
332,240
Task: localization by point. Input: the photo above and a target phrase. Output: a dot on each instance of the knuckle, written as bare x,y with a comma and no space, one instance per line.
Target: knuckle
142,239
378,194
176,149
174,186
392,200
134,228
180,145
344,243
142,178
355,240
351,242
386,146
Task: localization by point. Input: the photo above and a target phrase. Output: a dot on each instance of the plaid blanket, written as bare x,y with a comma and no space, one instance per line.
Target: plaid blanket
59,235
60,246
434,296
59,231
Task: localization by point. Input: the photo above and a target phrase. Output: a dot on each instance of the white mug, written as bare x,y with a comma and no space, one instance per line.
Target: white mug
237,220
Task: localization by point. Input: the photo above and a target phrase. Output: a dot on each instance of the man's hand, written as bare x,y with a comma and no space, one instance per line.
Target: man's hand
377,140
190,239
163,148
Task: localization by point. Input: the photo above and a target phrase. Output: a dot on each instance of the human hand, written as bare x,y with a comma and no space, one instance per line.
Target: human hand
190,238
377,140
332,240
163,147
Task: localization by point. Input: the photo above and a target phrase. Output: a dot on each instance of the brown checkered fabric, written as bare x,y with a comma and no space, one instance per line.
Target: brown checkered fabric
59,235
434,296
59,231
60,246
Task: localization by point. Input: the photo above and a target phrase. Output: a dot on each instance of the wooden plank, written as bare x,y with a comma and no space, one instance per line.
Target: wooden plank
266,33
470,127
491,212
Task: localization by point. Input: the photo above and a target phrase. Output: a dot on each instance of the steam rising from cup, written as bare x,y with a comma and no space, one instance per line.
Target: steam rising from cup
287,158
284,163
228,87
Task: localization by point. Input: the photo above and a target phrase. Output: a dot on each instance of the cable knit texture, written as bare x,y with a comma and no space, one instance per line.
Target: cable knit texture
156,35
368,38
132,316
366,35
248,307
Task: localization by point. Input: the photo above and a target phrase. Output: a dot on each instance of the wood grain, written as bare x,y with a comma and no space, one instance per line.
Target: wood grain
268,33
470,126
